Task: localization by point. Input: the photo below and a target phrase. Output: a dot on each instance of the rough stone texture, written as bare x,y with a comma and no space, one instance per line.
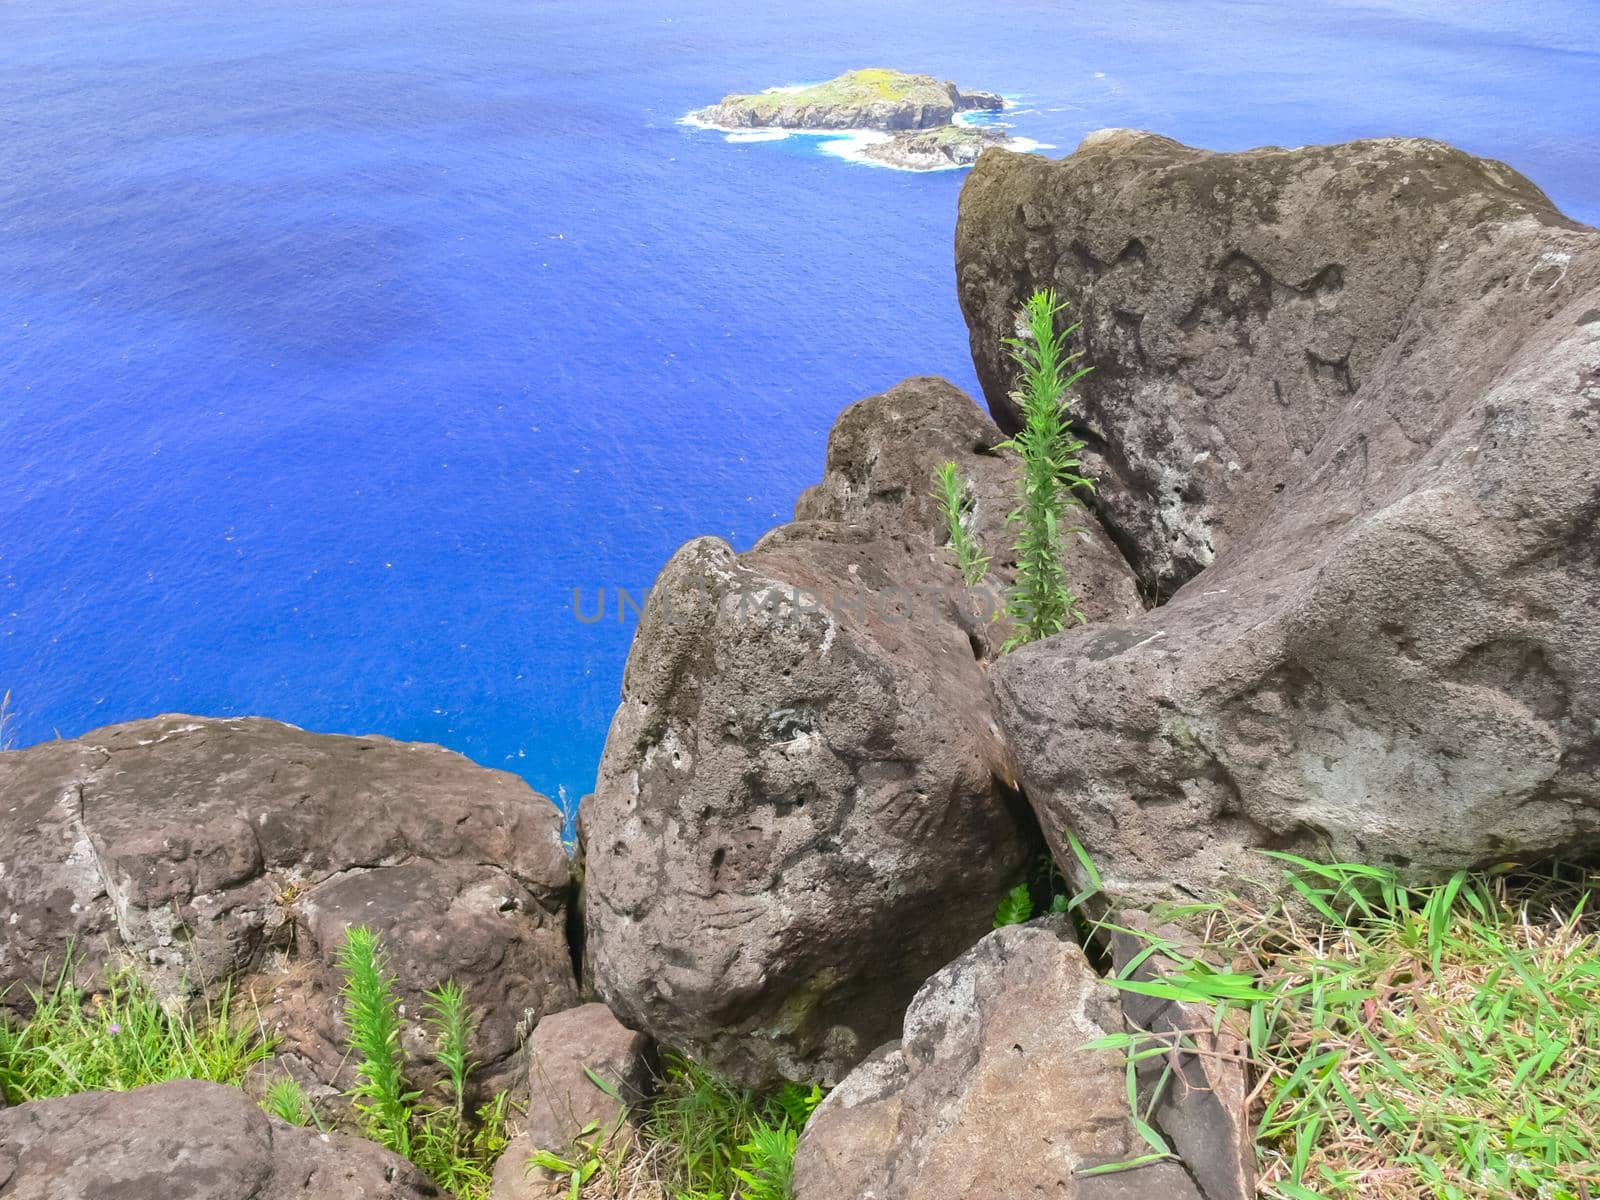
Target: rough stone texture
562,1099
991,1092
202,851
1360,387
513,1179
187,1141
804,806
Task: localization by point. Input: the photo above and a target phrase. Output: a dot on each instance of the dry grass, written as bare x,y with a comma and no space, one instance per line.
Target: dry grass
1439,1043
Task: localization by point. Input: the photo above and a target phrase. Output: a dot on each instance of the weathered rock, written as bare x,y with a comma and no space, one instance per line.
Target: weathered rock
804,807
564,1105
562,1099
516,1178
991,1093
1359,386
204,851
187,1141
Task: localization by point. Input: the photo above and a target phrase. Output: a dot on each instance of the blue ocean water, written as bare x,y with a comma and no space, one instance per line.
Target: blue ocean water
340,342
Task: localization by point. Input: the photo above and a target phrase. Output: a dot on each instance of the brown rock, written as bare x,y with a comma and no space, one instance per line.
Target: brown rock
187,1141
562,1099
203,851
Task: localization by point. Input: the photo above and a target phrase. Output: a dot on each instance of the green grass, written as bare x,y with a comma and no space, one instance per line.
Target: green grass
1439,1042
118,1039
714,1141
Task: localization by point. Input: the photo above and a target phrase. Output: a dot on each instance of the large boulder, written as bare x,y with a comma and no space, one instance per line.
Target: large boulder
187,1141
1357,389
992,1092
202,852
804,806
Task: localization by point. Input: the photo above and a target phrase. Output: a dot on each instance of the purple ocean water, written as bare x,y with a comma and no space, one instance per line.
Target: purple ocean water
339,342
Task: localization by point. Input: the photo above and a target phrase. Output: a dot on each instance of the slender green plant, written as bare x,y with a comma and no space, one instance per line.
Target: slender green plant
712,1136
955,502
372,1017
768,1173
1041,602
436,1135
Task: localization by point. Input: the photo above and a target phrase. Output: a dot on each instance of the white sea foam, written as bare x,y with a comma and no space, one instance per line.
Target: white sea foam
851,144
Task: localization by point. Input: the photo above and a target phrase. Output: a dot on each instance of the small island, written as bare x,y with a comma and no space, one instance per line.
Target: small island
917,112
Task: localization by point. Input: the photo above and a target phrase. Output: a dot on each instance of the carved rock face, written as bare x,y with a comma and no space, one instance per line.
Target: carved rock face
804,807
1357,389
1231,304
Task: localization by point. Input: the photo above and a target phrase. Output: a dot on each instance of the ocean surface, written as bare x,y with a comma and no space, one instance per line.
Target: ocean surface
341,342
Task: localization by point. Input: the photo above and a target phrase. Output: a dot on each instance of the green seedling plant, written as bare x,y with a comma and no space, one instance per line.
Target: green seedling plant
372,1020
1041,602
435,1134
287,1100
1015,908
768,1170
955,503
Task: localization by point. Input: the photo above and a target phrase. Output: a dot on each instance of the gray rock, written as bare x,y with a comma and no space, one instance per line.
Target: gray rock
804,806
991,1092
934,149
1359,387
187,1141
202,852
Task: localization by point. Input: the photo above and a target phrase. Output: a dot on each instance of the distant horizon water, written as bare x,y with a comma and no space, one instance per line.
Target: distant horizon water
340,342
